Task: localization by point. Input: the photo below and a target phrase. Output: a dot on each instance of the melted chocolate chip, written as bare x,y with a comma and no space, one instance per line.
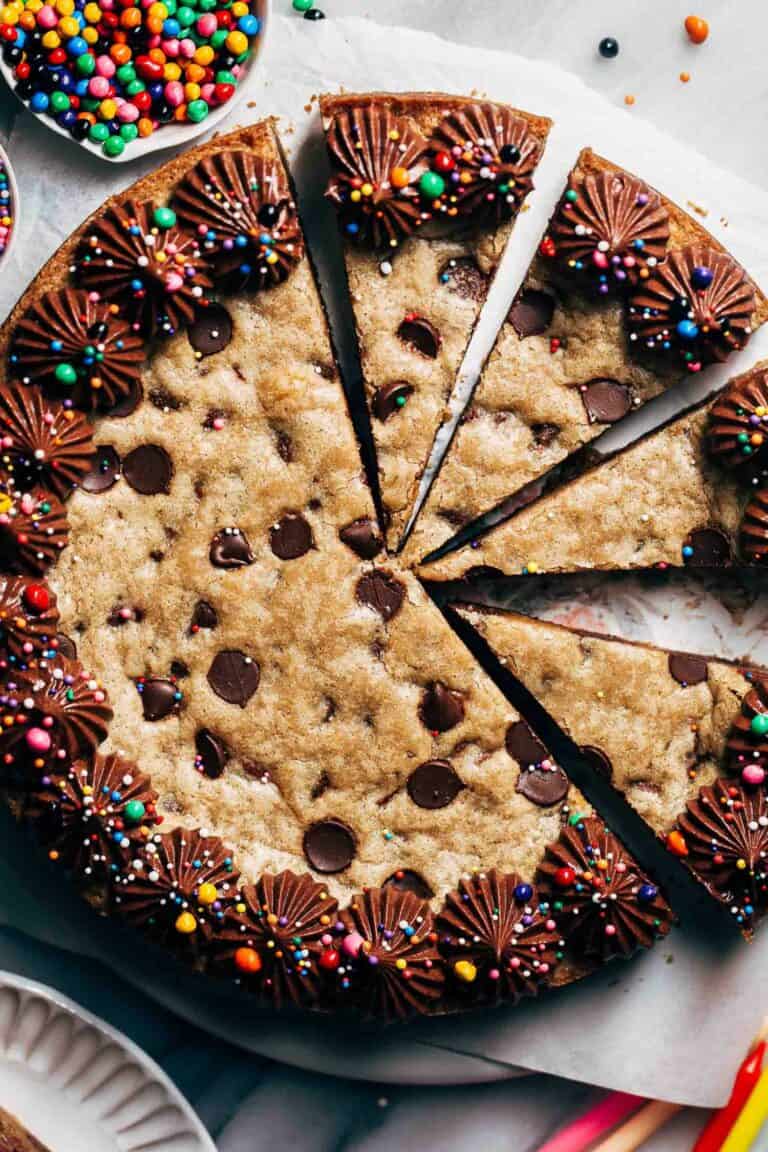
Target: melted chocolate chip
179,669
213,753
291,537
233,676
687,669
204,615
362,537
544,434
597,760
129,402
532,312
406,880
211,330
148,469
543,786
230,549
420,335
158,697
710,548
434,784
441,708
606,401
285,447
105,470
390,398
164,400
66,646
329,845
321,785
464,277
382,592
523,746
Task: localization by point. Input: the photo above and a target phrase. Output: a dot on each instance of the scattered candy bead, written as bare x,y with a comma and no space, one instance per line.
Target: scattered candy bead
302,5
7,210
99,68
697,29
608,48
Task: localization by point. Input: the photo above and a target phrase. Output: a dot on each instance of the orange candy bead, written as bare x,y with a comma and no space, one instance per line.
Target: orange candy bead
145,126
398,177
697,29
120,53
247,960
676,843
130,18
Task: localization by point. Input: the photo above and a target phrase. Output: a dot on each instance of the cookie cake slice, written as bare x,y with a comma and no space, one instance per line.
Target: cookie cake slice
242,728
427,187
682,737
693,493
627,296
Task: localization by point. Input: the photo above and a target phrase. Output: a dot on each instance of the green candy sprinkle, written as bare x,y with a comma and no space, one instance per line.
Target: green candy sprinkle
571,196
431,185
65,374
759,724
302,5
164,217
128,132
135,811
197,110
98,133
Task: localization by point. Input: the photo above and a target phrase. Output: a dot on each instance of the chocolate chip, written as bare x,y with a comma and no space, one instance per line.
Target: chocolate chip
406,880
321,785
362,537
66,646
233,676
382,592
478,572
130,402
291,537
230,549
148,469
213,753
329,845
434,784
709,548
597,760
164,400
211,330
285,447
390,398
204,615
544,434
464,277
543,786
532,312
179,669
523,746
105,470
687,669
606,401
441,708
420,335
158,697
157,555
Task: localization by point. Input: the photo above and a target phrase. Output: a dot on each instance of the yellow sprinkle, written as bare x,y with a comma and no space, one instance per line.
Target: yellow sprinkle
465,971
186,924
207,894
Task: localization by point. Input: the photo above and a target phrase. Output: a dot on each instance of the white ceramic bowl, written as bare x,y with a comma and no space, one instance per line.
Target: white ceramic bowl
81,1086
170,135
15,205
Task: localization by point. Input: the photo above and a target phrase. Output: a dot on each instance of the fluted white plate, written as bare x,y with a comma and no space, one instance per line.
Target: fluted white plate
79,1085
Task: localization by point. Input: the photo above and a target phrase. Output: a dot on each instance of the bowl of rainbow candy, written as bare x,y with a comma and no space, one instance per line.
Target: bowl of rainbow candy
9,207
125,77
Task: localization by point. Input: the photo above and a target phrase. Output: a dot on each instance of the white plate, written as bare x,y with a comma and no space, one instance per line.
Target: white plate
15,204
170,135
79,1085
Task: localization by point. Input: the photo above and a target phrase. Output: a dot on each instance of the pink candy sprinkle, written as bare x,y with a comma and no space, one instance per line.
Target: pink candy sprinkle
38,740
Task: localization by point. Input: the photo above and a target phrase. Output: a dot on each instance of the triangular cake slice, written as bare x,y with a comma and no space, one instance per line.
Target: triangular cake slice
684,738
306,785
427,187
627,296
693,493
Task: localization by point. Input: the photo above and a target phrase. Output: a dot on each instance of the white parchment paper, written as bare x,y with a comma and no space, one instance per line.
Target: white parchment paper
674,1023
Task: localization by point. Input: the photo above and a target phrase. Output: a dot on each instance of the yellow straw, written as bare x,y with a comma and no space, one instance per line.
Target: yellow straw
750,1120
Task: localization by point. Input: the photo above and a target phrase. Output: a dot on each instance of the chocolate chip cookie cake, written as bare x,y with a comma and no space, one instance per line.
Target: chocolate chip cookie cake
240,724
427,188
682,737
694,493
627,295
